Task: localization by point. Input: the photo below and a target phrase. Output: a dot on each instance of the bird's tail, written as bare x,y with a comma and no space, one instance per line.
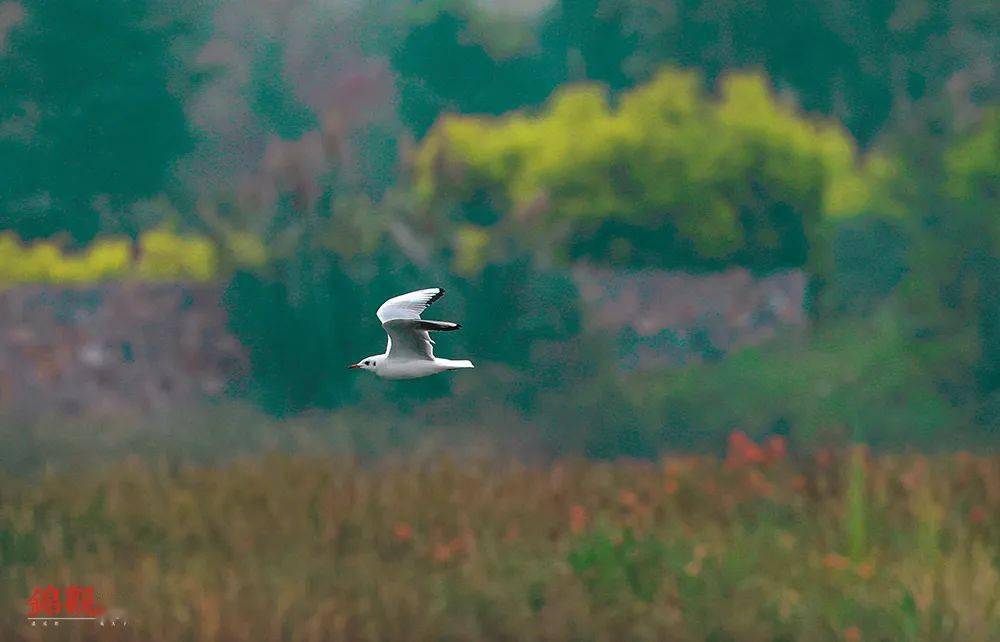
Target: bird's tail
456,365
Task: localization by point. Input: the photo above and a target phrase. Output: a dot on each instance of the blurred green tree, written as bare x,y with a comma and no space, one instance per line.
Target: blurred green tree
671,177
863,62
273,99
590,40
445,62
954,289
88,119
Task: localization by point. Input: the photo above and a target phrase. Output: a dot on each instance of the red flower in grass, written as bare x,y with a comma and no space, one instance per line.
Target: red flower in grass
836,562
402,532
775,448
442,552
743,451
758,483
865,570
824,458
445,551
577,519
628,499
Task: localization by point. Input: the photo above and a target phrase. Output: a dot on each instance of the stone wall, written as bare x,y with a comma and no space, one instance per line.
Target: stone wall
662,319
133,348
113,349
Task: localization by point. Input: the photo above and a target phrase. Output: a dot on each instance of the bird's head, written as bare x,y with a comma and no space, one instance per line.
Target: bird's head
368,363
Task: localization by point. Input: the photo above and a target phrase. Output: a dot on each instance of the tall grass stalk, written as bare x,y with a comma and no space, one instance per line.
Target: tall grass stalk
857,519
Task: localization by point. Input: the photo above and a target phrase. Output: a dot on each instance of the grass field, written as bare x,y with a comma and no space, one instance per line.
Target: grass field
759,546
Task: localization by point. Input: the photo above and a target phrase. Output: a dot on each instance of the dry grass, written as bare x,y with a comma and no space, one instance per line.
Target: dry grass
292,548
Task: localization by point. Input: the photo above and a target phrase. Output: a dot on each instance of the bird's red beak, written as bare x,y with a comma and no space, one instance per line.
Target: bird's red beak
353,365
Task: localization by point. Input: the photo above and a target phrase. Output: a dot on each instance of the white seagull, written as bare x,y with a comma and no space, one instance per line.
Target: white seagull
409,353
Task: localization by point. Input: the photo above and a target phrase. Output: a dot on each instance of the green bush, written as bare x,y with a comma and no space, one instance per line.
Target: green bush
162,256
613,566
851,379
666,176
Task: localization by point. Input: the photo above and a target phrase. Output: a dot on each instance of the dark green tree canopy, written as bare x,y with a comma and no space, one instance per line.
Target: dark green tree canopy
89,122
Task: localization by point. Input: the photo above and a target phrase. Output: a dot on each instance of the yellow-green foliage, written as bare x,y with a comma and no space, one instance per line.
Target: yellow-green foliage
471,243
44,262
667,151
246,249
974,162
162,256
289,548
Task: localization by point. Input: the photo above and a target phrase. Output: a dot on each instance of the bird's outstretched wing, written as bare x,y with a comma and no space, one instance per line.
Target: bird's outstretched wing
409,305
409,338
407,342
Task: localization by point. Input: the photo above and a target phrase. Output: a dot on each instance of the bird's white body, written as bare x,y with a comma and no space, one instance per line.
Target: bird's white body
409,352
416,368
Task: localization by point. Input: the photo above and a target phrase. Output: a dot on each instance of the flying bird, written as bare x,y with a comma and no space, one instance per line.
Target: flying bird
409,353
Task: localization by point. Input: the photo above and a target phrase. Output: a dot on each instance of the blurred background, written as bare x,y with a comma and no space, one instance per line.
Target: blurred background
661,224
